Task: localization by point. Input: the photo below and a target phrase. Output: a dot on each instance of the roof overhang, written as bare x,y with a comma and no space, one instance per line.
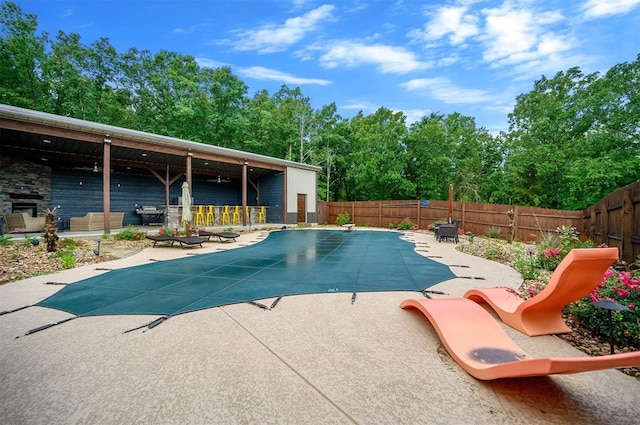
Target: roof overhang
54,139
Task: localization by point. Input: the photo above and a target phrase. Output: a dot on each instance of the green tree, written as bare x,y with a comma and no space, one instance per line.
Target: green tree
430,157
609,158
328,148
21,55
378,157
544,127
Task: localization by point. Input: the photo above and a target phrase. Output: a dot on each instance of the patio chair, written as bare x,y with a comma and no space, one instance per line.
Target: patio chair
208,220
477,342
574,278
225,215
235,217
198,217
448,232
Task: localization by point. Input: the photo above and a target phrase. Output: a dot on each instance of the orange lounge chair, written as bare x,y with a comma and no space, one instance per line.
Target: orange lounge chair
477,342
574,278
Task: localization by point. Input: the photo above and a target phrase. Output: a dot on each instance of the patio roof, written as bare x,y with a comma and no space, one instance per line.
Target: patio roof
61,140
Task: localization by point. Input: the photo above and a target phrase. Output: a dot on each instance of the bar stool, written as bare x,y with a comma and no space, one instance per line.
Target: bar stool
208,220
199,216
261,216
225,215
235,219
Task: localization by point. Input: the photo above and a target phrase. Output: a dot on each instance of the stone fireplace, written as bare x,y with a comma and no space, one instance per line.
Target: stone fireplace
30,208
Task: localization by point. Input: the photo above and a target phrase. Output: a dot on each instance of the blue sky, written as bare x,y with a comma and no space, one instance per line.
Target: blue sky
468,56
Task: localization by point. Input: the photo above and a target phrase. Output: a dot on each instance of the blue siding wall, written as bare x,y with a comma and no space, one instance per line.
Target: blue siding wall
130,191
272,195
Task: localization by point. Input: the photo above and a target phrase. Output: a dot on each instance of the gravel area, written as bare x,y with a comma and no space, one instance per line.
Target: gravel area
22,259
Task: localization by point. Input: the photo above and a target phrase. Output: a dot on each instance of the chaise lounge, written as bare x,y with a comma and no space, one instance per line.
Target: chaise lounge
222,236
183,241
576,276
477,342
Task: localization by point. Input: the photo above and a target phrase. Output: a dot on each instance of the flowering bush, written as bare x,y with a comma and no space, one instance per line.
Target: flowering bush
553,249
165,231
406,224
621,284
130,234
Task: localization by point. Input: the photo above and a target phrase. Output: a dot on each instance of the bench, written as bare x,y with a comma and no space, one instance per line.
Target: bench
95,221
23,223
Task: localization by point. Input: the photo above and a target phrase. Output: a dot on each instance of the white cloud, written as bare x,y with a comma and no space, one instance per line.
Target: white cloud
594,9
446,91
451,21
276,38
516,35
388,59
262,73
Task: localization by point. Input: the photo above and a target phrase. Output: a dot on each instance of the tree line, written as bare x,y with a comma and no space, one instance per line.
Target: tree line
571,140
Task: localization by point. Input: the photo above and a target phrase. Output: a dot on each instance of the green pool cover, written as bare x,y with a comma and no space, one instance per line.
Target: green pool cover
286,263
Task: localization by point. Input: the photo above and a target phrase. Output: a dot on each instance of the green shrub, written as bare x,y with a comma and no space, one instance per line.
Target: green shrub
343,218
67,257
526,265
392,226
6,240
406,224
621,284
130,234
494,250
494,232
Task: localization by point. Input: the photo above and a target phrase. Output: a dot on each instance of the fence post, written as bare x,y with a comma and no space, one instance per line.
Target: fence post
604,222
515,222
379,213
627,225
463,218
353,212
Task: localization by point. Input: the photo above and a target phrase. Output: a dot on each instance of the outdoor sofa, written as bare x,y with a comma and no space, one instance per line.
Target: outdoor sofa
23,223
95,221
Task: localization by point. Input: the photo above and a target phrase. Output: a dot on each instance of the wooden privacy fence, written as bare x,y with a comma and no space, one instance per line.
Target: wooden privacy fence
615,220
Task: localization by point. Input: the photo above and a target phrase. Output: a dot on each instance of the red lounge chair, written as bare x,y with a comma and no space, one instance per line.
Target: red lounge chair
576,276
477,342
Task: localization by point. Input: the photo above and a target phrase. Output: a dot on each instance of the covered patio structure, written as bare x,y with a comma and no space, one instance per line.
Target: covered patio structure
78,167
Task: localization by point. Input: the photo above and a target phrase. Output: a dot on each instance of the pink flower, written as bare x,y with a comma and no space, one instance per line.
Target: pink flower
632,306
552,252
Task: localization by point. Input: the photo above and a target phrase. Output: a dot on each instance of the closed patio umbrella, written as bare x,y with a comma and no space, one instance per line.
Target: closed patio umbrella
450,209
186,203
